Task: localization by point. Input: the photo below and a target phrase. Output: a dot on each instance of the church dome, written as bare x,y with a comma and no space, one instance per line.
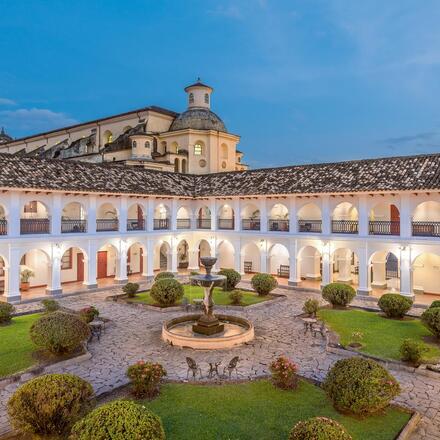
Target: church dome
198,119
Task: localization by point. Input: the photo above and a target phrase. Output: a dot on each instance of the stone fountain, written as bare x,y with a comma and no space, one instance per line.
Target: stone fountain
208,331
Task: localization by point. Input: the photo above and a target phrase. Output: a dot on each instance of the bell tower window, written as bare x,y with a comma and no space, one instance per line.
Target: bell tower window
206,98
191,98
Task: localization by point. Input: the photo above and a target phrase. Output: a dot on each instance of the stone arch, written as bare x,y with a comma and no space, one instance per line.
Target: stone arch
279,218
199,148
106,262
225,255
250,258
73,217
107,217
345,266
135,217
204,249
426,273
309,263
184,166
278,255
309,218
162,256
203,218
162,216
182,254
426,219
3,273
225,217
136,254
107,137
384,219
39,262
176,165
384,272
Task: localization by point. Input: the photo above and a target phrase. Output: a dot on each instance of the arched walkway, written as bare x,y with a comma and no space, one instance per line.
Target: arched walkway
36,264
250,259
426,220
162,257
250,218
309,218
34,218
309,267
225,253
106,265
384,220
345,219
345,267
384,272
135,218
73,218
183,220
182,256
226,217
278,256
279,218
426,274
161,217
204,218
107,218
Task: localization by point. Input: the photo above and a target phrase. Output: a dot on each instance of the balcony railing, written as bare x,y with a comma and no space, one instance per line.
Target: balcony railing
310,226
72,226
278,225
225,223
203,223
345,226
384,227
3,227
183,223
136,224
161,224
426,229
107,224
248,224
34,226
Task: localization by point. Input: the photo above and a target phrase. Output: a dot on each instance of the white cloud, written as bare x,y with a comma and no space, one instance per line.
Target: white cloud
33,120
6,101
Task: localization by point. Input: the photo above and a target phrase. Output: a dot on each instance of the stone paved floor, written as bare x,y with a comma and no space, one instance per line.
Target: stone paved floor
135,334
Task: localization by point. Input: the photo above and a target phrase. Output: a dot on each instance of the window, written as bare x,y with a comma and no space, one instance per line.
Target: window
31,207
110,138
191,98
198,150
206,98
147,144
66,260
134,144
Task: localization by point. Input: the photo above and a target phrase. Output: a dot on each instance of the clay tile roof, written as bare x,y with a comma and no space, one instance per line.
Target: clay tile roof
406,173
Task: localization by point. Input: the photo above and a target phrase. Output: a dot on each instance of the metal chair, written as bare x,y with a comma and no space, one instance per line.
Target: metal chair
319,328
193,367
232,366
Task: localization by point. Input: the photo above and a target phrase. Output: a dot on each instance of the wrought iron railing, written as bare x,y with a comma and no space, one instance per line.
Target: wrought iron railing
107,224
183,223
225,223
383,227
310,226
426,229
203,223
34,226
72,226
161,223
248,224
278,225
345,226
135,224
3,227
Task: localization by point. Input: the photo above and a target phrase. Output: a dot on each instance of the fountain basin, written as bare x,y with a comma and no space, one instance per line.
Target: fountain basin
178,332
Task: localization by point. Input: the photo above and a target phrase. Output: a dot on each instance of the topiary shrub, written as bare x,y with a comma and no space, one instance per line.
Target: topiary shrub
431,319
6,311
263,283
338,294
49,405
284,373
162,275
50,305
232,278
130,289
236,297
360,386
167,291
145,378
435,303
59,332
319,428
394,305
412,351
311,307
88,314
121,419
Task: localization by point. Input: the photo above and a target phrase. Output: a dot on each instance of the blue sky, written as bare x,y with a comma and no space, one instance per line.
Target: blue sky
300,81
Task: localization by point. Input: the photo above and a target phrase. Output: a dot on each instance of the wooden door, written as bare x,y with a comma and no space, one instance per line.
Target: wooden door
102,264
395,220
79,266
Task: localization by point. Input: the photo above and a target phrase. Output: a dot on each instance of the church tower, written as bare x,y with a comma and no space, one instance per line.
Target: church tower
199,95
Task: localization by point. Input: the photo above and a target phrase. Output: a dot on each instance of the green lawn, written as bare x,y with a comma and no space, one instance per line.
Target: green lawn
382,336
219,296
15,345
257,410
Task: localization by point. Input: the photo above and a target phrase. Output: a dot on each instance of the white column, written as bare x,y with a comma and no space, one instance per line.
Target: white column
12,275
90,265
145,258
363,216
344,265
293,220
326,266
121,263
14,214
364,269
54,282
294,263
56,212
405,216
237,215
172,259
263,256
150,258
326,215
91,218
123,215
150,214
237,256
405,271
174,214
213,209
263,216
193,260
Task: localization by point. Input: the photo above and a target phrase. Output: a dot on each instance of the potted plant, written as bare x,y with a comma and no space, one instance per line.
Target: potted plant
25,275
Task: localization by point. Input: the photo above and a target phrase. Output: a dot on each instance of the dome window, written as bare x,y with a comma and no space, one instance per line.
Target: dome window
191,98
206,98
134,144
198,149
147,144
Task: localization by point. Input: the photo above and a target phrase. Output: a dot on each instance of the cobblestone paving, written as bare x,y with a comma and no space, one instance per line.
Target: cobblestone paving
135,333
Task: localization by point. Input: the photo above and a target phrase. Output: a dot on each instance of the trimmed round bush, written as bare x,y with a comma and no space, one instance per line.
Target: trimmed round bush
394,305
49,405
50,305
130,289
311,306
263,283
167,291
118,420
236,297
360,386
59,332
6,311
435,303
412,351
232,278
162,275
431,319
319,428
338,294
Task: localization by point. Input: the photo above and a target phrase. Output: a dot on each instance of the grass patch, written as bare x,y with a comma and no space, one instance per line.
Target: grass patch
382,336
219,296
258,410
16,346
